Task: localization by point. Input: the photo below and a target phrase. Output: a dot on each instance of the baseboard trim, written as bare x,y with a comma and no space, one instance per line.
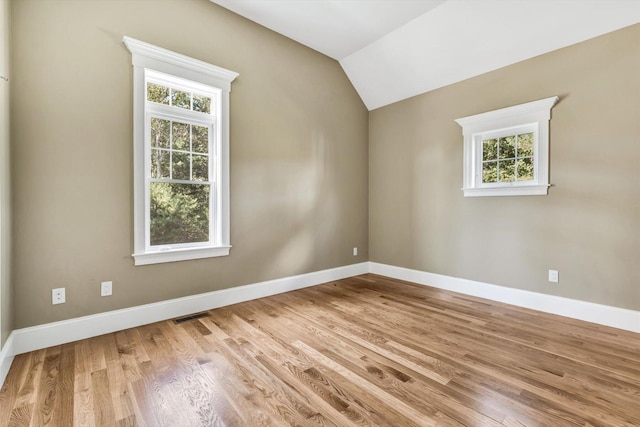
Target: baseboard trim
56,333
591,312
6,358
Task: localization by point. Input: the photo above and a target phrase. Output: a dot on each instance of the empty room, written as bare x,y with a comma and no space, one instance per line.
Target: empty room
320,212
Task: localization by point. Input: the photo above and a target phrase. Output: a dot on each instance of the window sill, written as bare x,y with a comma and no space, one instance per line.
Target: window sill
524,190
180,255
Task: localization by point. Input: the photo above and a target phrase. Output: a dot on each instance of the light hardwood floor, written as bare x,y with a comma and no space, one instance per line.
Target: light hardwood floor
361,351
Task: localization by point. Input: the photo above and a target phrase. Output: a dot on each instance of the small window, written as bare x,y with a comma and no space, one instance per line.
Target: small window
181,156
506,152
507,157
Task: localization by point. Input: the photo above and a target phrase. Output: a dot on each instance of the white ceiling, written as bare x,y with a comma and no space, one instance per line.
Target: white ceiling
394,49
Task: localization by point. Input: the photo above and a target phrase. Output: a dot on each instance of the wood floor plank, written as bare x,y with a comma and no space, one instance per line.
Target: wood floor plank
249,394
362,351
63,407
117,381
346,350
30,382
11,387
364,367
102,398
295,368
141,390
287,401
82,393
21,416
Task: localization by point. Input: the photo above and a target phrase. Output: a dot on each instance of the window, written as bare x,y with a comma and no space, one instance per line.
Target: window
507,156
181,156
506,151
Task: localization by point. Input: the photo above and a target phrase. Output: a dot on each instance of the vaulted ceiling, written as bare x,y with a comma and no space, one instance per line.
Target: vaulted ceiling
395,49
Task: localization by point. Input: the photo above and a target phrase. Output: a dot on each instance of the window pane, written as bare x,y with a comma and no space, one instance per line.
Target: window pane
179,213
201,103
157,93
507,147
180,99
180,136
489,149
200,168
180,165
159,163
525,144
507,171
490,172
200,139
159,133
525,169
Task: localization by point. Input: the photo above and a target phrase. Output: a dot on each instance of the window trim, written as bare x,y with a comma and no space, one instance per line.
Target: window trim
145,57
532,115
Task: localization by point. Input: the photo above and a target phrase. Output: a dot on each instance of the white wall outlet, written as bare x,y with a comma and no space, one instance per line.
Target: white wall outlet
553,276
106,289
58,296
355,251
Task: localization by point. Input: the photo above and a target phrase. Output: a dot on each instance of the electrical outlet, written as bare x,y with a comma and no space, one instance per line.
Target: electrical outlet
106,289
553,276
58,296
355,251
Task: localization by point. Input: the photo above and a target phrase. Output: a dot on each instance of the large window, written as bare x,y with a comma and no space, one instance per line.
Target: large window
506,151
181,156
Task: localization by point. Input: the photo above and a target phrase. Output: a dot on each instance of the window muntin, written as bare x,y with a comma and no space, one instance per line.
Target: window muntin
178,150
506,157
178,98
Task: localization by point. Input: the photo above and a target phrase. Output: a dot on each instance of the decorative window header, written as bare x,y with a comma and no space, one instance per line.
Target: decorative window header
146,55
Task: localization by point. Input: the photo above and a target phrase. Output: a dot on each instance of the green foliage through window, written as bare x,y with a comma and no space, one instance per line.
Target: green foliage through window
178,98
179,213
508,159
179,150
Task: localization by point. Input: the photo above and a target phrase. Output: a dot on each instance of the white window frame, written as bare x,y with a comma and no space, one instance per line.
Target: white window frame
153,62
529,117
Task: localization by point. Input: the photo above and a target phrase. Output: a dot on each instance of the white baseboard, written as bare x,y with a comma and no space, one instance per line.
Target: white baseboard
6,358
56,333
596,313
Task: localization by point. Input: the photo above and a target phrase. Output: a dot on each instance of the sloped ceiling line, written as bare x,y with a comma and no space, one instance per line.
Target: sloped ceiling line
395,49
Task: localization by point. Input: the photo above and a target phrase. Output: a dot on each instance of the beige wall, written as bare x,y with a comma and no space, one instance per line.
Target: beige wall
588,227
5,194
298,154
300,164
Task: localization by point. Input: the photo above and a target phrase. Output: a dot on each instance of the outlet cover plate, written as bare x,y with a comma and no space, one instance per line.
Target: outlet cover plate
553,276
58,296
106,289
